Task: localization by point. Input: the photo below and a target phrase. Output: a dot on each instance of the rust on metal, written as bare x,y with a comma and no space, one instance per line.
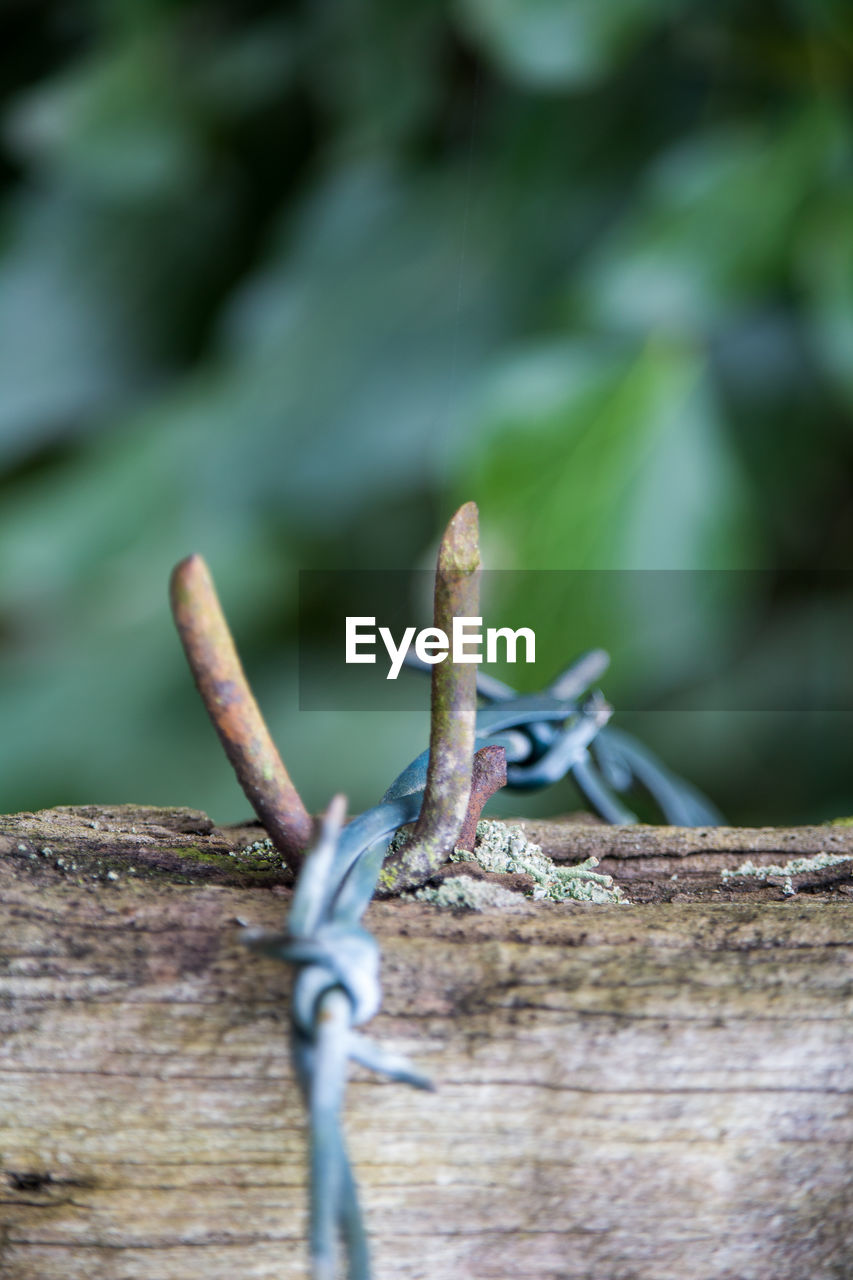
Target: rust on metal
231,706
489,775
453,714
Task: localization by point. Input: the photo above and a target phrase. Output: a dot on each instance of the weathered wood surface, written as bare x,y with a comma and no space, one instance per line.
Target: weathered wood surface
645,1092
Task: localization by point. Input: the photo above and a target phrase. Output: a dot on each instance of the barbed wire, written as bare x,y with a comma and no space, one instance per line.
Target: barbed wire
564,731
337,989
524,741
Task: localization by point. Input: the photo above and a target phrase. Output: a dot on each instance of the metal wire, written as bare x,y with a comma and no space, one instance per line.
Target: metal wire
545,736
336,989
548,736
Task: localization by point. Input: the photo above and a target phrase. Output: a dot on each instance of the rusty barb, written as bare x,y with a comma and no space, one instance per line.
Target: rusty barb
456,785
231,706
489,775
453,715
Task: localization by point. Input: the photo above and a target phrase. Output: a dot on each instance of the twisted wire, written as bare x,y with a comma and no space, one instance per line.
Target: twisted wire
546,736
561,732
336,990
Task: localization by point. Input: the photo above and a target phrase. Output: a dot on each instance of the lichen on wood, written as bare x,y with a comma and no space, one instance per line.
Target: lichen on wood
503,848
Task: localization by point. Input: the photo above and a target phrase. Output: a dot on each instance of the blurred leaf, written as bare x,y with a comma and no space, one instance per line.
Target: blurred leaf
560,43
598,462
110,250
824,265
93,307
352,345
375,67
248,71
118,126
66,355
569,432
712,229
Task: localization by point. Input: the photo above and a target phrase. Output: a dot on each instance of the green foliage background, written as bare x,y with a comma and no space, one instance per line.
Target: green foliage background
285,282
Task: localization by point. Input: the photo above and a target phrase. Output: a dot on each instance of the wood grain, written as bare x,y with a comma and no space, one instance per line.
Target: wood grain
655,1091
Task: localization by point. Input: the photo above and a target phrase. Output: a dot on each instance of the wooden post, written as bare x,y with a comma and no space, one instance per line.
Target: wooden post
660,1091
